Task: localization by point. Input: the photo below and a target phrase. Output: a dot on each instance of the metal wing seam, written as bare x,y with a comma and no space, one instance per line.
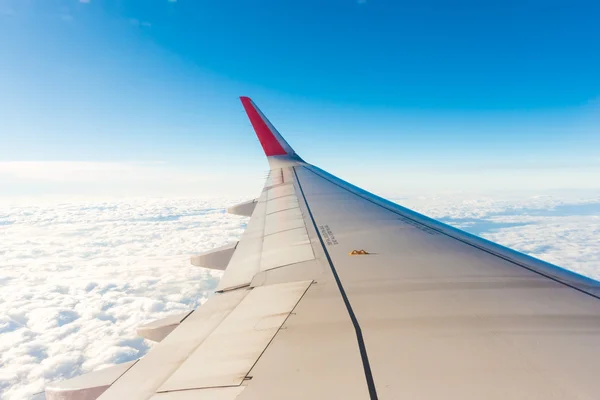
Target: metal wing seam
589,283
359,336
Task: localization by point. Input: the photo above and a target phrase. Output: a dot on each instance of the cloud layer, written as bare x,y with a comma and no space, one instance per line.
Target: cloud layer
560,229
77,278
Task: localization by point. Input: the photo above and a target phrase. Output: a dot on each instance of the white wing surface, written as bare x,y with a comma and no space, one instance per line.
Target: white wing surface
335,293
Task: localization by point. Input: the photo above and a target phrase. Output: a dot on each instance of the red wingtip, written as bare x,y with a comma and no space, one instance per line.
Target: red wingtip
261,126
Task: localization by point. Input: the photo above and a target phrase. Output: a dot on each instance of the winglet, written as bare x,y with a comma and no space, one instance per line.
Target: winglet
272,142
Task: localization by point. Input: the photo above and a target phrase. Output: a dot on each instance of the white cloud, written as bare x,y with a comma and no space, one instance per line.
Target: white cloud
77,278
560,229
569,241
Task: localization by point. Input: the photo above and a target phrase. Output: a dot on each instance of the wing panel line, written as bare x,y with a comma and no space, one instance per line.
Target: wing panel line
359,336
515,262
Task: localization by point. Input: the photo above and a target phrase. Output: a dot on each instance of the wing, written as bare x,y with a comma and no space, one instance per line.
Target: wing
333,292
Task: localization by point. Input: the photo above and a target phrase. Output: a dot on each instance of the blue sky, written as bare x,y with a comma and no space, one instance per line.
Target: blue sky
427,93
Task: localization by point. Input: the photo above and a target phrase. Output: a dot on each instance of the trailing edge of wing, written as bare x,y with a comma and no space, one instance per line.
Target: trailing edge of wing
273,144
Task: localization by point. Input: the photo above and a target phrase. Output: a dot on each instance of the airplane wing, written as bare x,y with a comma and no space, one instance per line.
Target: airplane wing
335,293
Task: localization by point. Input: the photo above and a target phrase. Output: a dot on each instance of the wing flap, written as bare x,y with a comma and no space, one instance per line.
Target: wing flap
280,191
276,234
226,393
283,221
245,261
282,203
286,247
142,381
231,350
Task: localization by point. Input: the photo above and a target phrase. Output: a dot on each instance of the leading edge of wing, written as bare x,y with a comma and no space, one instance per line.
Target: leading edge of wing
556,273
